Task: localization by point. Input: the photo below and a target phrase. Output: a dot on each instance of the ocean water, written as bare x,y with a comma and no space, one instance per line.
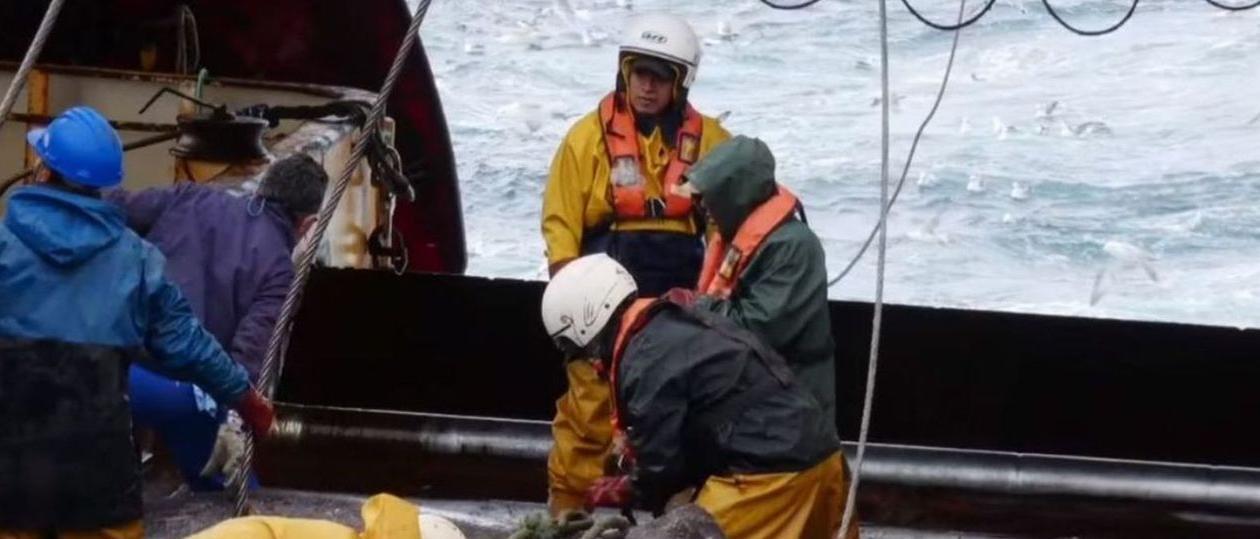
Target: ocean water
1114,176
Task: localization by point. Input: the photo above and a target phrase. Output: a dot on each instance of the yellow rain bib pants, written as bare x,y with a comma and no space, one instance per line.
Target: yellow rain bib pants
800,505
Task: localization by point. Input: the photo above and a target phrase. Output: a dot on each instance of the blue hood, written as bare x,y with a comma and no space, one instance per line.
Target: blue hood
63,228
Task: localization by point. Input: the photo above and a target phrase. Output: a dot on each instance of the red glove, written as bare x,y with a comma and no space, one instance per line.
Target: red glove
682,296
614,491
257,413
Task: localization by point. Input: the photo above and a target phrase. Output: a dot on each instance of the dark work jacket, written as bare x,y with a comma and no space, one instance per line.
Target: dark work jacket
700,396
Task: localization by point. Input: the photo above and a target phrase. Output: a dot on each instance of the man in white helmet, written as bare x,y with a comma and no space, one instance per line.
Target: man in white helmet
702,403
611,190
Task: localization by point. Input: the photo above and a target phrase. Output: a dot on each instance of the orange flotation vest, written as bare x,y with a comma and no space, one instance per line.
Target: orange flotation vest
631,322
621,140
723,263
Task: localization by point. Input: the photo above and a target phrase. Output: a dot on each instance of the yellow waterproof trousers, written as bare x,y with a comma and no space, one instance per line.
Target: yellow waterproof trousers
582,432
384,517
130,530
804,505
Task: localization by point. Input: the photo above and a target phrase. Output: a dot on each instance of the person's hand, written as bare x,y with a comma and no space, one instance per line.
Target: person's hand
228,454
257,413
614,491
620,458
682,296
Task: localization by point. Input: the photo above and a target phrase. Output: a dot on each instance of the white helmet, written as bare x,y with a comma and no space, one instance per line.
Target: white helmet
666,37
436,527
582,297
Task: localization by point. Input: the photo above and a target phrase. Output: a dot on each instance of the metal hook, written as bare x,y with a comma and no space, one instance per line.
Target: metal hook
220,111
389,223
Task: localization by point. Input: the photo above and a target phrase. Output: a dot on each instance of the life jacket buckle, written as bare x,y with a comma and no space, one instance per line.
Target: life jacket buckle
729,263
655,207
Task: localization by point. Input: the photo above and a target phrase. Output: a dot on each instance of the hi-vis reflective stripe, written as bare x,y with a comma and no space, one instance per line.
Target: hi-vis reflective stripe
722,265
622,142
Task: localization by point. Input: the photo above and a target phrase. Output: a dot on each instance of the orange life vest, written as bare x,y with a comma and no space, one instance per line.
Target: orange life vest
723,263
621,140
631,322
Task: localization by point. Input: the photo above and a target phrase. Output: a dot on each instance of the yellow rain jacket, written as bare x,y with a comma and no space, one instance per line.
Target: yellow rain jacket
577,197
384,517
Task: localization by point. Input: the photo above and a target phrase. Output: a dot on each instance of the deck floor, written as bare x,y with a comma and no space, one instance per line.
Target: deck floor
185,513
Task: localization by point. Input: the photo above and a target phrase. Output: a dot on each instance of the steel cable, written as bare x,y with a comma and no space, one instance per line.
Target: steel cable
273,363
914,145
28,61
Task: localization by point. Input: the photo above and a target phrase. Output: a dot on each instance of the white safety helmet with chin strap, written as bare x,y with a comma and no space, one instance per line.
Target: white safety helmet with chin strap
667,37
581,299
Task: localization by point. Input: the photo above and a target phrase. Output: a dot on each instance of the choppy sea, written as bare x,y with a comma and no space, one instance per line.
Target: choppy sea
1114,176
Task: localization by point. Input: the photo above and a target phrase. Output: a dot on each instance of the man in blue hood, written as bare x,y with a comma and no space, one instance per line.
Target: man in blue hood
81,296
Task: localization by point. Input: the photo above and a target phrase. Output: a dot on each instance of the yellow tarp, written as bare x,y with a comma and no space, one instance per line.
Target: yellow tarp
384,516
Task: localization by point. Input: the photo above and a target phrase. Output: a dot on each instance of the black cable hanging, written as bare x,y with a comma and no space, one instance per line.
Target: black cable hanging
1078,31
801,5
1227,7
949,27
1049,8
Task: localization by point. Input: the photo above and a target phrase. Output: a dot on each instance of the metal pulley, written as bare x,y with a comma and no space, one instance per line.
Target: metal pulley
215,134
205,137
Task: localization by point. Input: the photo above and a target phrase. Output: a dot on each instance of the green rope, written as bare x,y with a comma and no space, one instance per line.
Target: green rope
202,77
572,525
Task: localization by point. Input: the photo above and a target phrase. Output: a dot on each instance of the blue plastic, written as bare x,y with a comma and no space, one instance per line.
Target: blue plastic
82,147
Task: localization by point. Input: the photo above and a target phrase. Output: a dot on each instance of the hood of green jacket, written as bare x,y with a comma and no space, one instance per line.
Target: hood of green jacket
733,179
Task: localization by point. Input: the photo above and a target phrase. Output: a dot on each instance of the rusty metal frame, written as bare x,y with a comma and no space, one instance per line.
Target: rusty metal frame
314,139
320,90
37,103
146,127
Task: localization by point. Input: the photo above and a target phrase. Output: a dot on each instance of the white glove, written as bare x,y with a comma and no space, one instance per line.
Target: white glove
229,450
